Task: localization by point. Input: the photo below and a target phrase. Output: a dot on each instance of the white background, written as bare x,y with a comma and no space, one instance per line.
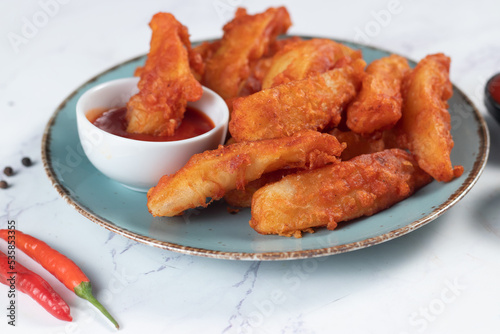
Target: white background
441,278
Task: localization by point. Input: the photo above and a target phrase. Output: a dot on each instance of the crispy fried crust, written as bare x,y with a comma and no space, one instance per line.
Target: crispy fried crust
260,67
312,103
301,59
246,38
212,173
378,104
426,121
166,81
207,49
326,196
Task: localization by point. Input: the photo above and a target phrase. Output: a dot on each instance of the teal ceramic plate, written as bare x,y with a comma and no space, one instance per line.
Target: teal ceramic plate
214,232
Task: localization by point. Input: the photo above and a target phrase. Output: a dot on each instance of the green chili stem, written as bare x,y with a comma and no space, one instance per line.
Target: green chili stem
84,290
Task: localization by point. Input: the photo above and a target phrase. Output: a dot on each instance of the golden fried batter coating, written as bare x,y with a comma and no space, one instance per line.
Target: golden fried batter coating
207,49
212,173
326,196
260,67
246,39
378,104
166,81
253,83
426,121
313,103
303,58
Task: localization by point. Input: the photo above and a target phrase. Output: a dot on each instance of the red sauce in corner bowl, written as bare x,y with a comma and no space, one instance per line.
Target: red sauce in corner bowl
113,120
494,88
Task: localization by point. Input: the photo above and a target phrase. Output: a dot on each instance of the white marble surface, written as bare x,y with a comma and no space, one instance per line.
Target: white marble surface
440,278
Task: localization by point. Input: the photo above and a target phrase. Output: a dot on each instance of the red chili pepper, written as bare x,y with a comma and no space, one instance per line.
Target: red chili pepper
58,265
14,274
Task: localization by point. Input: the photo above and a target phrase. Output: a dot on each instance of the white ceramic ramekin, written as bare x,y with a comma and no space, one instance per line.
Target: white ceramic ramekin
140,164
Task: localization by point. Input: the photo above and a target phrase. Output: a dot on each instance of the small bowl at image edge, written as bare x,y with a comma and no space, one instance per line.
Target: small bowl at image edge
492,105
140,164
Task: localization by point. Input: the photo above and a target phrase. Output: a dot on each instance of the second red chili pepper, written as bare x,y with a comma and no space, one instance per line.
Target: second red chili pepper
14,274
58,265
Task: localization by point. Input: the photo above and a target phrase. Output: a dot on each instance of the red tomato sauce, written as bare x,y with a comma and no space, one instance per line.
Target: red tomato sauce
494,88
113,121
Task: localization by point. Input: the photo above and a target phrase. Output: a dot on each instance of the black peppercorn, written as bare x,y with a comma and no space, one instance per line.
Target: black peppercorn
26,161
3,184
8,171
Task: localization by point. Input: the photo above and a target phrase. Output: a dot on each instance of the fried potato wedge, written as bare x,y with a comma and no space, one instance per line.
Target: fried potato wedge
304,58
166,81
246,39
260,67
426,121
313,103
378,105
326,196
212,173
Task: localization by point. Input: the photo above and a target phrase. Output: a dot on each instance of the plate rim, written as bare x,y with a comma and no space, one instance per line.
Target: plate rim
475,173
